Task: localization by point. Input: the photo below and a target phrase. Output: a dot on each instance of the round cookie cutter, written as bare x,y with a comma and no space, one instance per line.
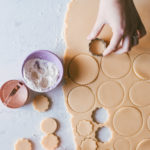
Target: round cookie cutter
49,56
101,48
14,94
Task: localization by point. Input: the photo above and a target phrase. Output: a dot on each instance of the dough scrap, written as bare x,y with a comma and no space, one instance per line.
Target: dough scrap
122,144
127,121
140,93
88,144
41,103
23,144
83,69
82,102
49,125
50,142
116,66
141,66
84,127
144,145
110,94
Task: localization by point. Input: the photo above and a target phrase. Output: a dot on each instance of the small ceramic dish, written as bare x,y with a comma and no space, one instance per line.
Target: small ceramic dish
48,56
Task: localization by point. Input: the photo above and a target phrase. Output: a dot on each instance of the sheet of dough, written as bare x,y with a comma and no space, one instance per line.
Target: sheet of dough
129,120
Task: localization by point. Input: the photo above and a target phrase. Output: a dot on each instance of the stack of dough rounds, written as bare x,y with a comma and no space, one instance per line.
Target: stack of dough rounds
49,127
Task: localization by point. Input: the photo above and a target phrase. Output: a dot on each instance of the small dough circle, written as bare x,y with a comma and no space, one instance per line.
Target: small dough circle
141,66
84,128
41,103
115,96
122,144
144,145
48,125
50,142
81,99
23,144
116,66
127,121
83,69
140,93
148,122
88,144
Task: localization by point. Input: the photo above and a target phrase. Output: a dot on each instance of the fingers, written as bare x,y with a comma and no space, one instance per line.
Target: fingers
114,43
141,31
96,30
126,46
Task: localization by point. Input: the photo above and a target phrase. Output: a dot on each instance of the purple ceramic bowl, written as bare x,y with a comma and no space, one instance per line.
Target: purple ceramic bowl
49,56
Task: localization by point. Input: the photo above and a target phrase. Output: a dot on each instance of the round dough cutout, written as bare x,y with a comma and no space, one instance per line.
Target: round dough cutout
50,142
81,99
144,145
127,121
141,66
110,94
84,128
89,144
122,144
140,93
116,66
23,144
148,122
48,125
41,103
83,69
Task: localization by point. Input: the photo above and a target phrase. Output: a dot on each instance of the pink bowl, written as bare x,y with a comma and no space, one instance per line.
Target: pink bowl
49,56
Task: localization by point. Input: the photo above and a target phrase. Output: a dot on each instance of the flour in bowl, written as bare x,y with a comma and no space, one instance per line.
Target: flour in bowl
40,74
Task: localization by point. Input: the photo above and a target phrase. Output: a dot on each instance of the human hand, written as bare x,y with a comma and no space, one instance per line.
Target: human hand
125,22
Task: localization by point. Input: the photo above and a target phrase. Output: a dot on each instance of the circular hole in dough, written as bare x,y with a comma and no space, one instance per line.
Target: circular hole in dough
104,134
23,144
100,115
141,66
122,144
41,103
81,99
116,66
97,47
89,144
83,69
140,93
110,94
144,145
49,125
50,142
127,121
84,127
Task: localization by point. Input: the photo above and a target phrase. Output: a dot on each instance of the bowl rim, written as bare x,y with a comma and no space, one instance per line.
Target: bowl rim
60,77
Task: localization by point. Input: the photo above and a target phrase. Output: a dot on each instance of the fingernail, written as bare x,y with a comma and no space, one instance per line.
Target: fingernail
89,37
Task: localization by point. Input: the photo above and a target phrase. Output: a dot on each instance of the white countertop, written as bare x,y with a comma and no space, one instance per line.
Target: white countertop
26,26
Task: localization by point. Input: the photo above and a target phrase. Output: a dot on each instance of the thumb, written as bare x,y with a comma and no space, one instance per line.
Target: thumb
96,30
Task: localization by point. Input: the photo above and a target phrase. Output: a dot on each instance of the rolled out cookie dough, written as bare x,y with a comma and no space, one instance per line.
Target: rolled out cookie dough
50,142
23,144
122,144
41,103
83,69
84,127
140,93
116,66
144,145
110,94
81,99
48,125
88,144
141,66
127,121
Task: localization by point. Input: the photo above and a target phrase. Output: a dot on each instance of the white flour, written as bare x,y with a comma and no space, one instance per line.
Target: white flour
40,74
